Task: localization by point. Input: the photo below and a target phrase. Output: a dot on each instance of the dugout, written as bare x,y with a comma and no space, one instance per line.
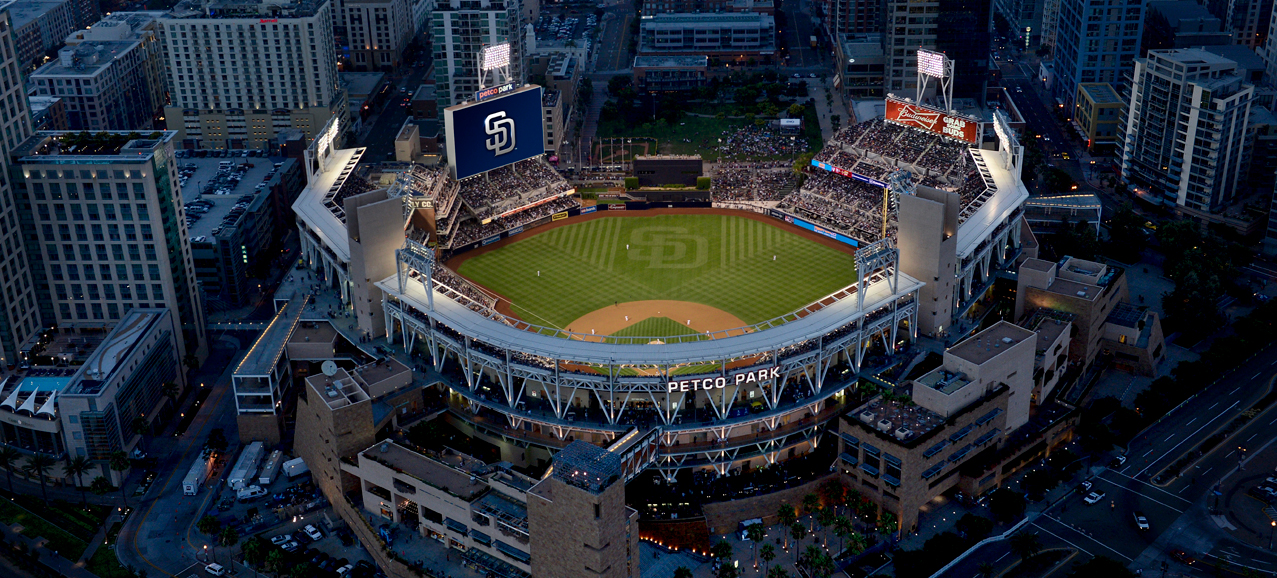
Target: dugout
657,170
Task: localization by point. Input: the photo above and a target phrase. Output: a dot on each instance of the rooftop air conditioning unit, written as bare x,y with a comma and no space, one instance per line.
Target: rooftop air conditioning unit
903,432
867,416
1007,340
884,425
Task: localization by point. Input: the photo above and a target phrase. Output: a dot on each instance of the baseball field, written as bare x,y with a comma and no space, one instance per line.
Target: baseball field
661,275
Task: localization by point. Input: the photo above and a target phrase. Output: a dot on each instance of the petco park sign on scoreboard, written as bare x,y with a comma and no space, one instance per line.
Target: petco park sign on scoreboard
932,120
742,378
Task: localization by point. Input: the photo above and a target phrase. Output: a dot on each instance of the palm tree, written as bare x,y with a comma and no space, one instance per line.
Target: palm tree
723,551
171,391
798,531
254,550
786,516
888,524
1025,544
76,468
985,569
119,462
8,460
755,533
777,572
810,554
768,553
275,561
100,486
826,516
209,525
810,503
39,465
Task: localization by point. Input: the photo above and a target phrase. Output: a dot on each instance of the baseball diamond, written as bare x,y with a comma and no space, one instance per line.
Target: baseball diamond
659,276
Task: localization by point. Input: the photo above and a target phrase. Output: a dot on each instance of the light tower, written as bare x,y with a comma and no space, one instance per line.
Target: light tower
494,65
935,65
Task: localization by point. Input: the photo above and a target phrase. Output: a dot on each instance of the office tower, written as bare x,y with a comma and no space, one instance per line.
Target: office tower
241,73
1026,18
1181,24
1185,129
378,32
19,315
110,76
105,230
1248,20
854,17
964,37
1096,41
461,28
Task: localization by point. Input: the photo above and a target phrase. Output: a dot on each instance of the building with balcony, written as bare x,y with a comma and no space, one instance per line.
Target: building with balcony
736,38
1185,130
460,29
1094,43
239,74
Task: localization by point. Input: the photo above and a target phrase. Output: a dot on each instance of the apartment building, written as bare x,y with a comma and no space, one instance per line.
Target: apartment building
40,26
239,74
1248,20
109,76
105,233
377,32
739,38
460,29
1184,134
965,37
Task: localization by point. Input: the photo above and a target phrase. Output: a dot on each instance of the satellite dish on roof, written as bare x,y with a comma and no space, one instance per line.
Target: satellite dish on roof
329,368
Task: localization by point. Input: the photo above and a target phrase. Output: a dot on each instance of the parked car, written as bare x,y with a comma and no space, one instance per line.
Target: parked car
312,532
1183,557
281,539
1140,521
290,546
1117,461
215,570
1093,497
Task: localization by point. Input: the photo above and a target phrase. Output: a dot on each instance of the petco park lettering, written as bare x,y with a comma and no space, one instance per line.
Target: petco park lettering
933,121
721,382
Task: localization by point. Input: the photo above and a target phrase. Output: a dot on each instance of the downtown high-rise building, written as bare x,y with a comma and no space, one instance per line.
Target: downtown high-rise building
19,315
460,29
240,73
961,29
1184,133
1248,20
1096,41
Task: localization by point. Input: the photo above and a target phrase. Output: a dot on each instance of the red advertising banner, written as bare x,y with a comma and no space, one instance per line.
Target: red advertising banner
933,121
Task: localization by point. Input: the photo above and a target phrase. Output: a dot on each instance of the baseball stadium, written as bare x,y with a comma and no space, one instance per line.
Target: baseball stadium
709,336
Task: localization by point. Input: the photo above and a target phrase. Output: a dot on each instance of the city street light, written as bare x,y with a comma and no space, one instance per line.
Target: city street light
1270,534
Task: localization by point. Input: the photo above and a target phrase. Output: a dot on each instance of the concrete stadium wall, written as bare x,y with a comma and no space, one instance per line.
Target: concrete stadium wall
723,517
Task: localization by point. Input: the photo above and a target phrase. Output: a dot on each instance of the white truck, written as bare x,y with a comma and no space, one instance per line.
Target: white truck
270,469
295,467
198,474
244,470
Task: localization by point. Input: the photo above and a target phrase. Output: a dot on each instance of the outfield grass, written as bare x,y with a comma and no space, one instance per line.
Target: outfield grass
663,326
717,260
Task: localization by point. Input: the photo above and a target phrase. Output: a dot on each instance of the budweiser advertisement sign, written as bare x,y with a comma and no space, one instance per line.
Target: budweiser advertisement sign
933,121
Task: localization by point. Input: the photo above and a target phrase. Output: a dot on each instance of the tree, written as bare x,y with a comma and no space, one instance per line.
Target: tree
810,557
810,503
101,486
228,536
1058,181
755,533
618,83
275,561
119,462
1101,566
9,460
209,525
1006,505
76,468
832,492
786,515
825,517
798,531
777,572
586,91
888,523
985,569
796,110
39,465
682,572
216,440
1127,235
254,550
768,553
1025,544
170,390
973,527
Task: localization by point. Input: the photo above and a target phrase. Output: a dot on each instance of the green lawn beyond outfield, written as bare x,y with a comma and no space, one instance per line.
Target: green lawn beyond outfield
717,260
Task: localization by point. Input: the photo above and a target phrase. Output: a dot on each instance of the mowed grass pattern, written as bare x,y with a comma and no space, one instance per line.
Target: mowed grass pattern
718,260
655,327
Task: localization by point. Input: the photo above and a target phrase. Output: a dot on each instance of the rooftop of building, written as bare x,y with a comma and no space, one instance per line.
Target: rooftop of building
312,332
716,17
587,466
550,98
39,103
24,12
106,146
987,344
1180,10
1191,57
88,58
264,354
425,92
116,26
341,389
212,191
1243,55
246,8
1049,325
1126,315
1100,92
902,420
426,469
473,5
118,344
360,84
671,61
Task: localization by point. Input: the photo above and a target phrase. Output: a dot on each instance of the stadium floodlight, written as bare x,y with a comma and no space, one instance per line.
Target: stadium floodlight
931,63
496,56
